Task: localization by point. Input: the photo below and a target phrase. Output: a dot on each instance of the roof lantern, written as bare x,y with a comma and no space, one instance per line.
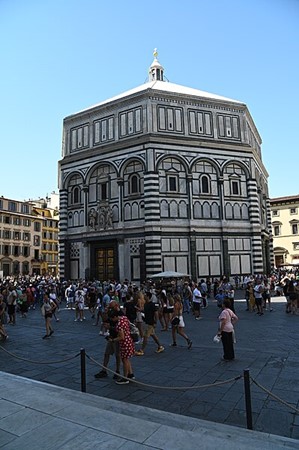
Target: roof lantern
156,71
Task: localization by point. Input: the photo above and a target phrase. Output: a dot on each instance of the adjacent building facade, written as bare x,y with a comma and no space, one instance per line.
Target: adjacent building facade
28,238
285,226
50,229
163,177
20,238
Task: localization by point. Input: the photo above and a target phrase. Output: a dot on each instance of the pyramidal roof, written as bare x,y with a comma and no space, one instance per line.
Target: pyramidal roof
156,83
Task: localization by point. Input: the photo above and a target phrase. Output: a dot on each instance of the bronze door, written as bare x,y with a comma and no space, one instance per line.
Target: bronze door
105,260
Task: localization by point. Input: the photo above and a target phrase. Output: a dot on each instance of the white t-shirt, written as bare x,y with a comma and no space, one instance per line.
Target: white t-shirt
258,289
196,296
79,298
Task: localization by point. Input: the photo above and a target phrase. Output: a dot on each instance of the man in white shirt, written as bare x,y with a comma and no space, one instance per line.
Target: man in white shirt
258,295
196,299
70,296
79,302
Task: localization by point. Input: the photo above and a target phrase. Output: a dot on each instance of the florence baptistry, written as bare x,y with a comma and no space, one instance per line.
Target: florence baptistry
163,177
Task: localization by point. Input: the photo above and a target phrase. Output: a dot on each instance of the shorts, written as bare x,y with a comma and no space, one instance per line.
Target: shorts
139,316
196,306
111,348
258,301
149,331
11,309
181,323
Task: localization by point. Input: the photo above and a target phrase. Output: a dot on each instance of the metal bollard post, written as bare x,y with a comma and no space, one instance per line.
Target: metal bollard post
247,399
83,370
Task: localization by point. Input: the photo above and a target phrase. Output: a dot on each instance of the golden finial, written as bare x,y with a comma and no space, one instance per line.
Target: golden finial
155,53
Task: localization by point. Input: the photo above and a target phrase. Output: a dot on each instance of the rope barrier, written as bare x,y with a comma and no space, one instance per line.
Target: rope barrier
175,388
153,386
274,396
38,362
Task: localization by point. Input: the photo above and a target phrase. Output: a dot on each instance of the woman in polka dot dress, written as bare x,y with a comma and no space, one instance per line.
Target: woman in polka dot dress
126,345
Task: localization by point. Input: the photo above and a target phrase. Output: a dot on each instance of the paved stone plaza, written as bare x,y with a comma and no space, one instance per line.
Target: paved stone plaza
266,345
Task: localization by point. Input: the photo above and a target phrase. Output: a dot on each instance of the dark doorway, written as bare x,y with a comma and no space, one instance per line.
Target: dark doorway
6,269
104,261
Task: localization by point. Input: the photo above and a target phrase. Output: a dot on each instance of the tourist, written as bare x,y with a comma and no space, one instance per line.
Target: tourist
196,300
139,301
92,300
292,294
249,296
126,345
229,291
22,303
150,319
227,319
79,304
112,347
129,308
267,295
53,297
103,309
70,296
48,308
187,296
178,323
203,287
258,295
11,305
3,333
167,302
219,297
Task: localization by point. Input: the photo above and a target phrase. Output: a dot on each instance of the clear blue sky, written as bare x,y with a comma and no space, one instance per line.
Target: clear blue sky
60,56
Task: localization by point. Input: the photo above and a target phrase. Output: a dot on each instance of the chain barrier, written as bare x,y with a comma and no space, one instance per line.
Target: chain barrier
175,388
153,386
39,362
274,396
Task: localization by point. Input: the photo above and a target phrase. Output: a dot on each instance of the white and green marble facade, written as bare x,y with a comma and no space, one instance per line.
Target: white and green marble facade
173,177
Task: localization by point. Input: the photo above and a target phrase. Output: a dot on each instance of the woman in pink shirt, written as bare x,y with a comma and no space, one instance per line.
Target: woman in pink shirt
226,330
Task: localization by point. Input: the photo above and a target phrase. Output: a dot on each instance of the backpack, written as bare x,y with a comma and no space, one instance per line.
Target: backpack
70,293
134,332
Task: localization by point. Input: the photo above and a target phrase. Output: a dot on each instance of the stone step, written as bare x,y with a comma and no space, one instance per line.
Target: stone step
36,415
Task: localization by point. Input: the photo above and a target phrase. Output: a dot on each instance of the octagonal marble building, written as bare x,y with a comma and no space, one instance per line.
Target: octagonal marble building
163,177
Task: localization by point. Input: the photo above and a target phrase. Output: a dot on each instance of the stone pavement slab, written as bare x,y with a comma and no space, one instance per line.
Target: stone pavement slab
87,423
265,346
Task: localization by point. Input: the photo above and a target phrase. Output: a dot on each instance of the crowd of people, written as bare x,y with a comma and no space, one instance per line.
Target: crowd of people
115,306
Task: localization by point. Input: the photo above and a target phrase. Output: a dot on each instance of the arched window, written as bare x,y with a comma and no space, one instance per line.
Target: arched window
172,177
74,190
133,178
134,184
205,188
235,187
70,220
76,195
103,187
